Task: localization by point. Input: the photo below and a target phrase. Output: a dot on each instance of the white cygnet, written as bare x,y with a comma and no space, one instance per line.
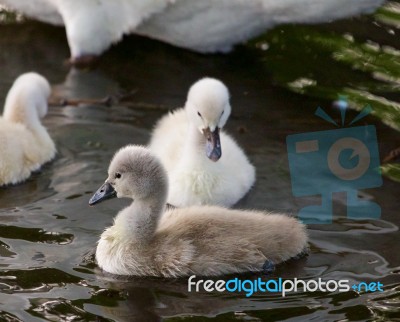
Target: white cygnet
205,165
25,144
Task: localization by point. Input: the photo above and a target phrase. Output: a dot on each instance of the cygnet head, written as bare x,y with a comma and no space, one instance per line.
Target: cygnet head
30,91
133,173
208,108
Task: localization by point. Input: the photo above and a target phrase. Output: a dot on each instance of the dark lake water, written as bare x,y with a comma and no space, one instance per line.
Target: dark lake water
48,232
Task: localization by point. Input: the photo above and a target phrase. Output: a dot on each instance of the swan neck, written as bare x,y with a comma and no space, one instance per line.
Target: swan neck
139,221
24,115
195,140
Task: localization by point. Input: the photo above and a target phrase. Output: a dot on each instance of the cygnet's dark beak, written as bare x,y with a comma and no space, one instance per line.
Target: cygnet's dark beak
213,144
106,191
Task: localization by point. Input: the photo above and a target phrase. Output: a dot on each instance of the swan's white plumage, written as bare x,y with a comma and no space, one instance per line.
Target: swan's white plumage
204,26
24,143
146,240
178,142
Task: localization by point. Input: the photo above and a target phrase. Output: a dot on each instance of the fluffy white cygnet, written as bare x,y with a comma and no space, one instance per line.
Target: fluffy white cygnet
148,240
205,165
24,142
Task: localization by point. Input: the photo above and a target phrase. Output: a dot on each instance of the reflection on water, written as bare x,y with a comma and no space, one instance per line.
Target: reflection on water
363,60
48,233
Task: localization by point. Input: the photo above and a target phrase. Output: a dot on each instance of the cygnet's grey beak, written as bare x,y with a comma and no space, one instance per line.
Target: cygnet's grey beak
106,191
213,144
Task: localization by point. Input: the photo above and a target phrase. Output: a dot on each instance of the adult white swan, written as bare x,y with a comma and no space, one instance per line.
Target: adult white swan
205,165
200,25
147,240
24,142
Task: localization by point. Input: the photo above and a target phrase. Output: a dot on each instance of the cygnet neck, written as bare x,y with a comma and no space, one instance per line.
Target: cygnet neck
195,142
139,221
18,112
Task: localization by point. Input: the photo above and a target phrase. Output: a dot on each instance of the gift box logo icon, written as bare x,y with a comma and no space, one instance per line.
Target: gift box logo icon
338,160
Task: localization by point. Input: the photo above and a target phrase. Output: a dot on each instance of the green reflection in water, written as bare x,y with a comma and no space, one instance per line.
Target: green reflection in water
392,171
324,63
389,14
9,17
341,63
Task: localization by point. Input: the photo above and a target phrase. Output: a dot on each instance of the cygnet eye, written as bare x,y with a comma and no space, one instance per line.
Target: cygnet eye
117,175
198,113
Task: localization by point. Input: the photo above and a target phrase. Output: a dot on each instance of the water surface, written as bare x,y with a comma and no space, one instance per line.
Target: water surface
48,232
